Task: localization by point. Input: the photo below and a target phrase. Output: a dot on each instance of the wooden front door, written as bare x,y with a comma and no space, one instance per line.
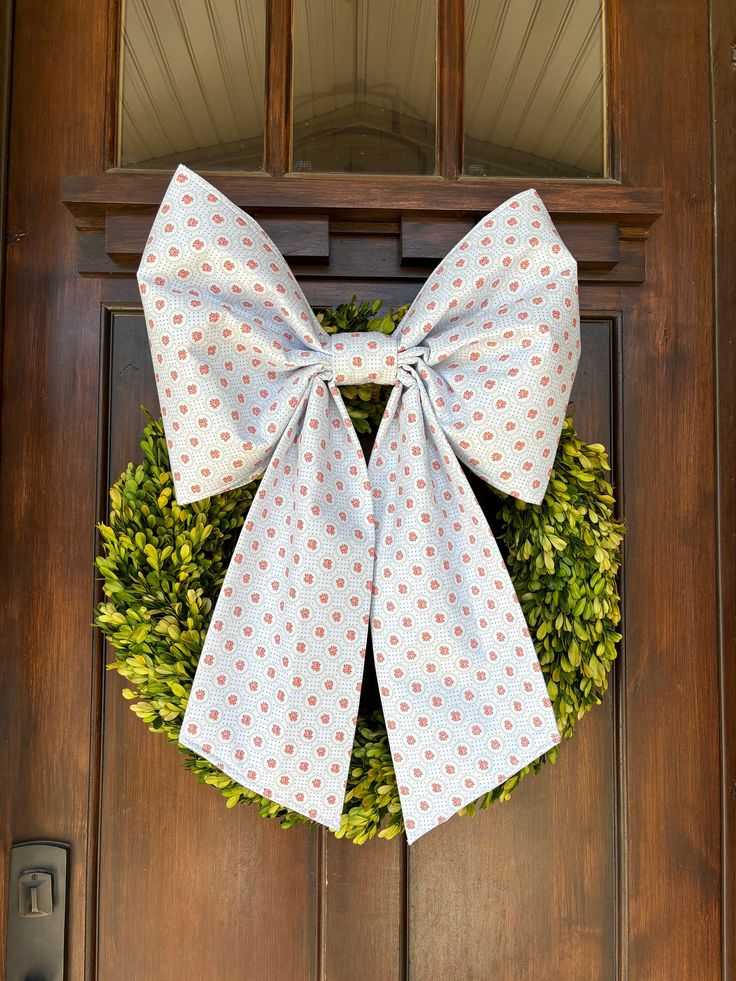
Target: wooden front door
608,865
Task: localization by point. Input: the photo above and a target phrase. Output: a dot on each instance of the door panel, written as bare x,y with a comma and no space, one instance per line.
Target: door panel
670,728
166,843
548,857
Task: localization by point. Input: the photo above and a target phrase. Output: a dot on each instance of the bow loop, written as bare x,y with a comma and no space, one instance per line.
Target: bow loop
225,316
498,321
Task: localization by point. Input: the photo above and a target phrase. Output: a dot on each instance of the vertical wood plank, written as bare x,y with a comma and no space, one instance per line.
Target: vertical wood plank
615,79
244,888
48,442
364,910
672,736
364,887
278,128
6,46
528,888
723,67
112,82
450,81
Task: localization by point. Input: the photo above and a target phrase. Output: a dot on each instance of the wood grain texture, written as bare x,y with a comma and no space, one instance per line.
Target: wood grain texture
305,237
315,247
529,888
369,197
364,904
6,44
48,445
278,125
112,123
723,82
240,884
672,738
450,84
595,245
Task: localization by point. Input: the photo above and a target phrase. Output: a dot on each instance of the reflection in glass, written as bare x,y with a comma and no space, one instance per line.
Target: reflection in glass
535,88
364,86
193,84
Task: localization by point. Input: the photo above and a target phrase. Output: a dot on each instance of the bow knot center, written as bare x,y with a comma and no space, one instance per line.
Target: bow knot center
360,358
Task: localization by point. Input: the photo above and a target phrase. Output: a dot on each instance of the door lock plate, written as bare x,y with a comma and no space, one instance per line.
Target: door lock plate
36,921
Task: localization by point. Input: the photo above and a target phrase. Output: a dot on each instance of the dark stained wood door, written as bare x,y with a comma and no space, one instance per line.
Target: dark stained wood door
608,865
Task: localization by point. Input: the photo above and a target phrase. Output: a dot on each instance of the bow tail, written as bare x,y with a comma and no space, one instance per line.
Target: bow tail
275,698
464,698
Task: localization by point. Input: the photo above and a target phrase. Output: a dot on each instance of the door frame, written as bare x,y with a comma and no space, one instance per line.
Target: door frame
62,804
723,129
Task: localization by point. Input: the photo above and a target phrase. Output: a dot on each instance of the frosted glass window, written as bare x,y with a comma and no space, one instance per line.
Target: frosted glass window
364,86
535,92
193,80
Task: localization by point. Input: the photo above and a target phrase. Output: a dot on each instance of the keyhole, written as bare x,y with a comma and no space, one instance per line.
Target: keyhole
34,895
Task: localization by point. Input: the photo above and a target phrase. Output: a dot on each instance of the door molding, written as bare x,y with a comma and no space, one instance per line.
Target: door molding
723,132
604,224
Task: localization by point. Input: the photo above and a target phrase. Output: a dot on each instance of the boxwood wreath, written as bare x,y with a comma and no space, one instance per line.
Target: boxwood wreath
162,567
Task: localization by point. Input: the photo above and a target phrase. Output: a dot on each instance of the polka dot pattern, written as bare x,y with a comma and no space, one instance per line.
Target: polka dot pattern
482,366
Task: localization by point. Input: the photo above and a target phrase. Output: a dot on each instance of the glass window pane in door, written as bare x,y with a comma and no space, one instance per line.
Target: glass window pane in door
193,80
535,89
364,86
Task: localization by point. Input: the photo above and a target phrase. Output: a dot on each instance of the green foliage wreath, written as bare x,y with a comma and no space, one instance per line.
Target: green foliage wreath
163,565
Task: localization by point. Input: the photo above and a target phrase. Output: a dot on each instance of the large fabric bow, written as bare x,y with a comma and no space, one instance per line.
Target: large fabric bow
481,368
